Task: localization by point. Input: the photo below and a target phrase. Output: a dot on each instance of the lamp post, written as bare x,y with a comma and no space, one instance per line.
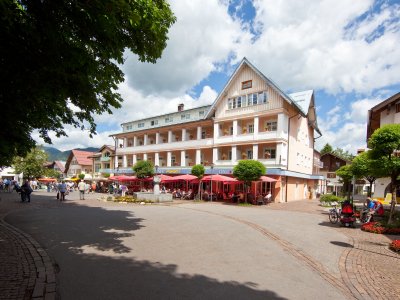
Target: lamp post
156,181
211,192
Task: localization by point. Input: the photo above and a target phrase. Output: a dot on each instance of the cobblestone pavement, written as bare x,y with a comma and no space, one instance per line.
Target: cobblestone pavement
26,271
368,268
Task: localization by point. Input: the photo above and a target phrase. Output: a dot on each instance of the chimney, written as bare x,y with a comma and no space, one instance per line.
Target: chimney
180,107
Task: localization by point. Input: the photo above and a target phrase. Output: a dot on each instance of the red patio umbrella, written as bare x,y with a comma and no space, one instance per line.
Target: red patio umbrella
220,178
267,179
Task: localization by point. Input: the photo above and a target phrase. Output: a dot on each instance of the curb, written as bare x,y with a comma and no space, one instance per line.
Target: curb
34,274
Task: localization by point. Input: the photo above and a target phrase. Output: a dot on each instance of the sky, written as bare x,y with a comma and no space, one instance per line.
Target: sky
346,51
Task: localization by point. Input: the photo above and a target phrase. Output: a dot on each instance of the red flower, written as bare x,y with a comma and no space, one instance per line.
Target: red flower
395,245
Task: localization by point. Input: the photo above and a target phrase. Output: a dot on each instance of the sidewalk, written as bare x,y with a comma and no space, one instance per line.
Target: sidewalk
368,268
26,271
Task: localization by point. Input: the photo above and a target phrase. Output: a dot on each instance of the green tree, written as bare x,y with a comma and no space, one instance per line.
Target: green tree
59,62
143,169
198,171
326,149
346,175
81,176
346,155
248,171
32,165
361,168
52,173
385,148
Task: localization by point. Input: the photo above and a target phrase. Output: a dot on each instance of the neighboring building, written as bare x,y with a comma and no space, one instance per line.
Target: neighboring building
79,162
251,118
9,173
103,161
57,165
386,112
330,164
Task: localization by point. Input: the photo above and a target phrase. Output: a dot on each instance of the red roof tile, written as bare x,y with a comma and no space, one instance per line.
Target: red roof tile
82,157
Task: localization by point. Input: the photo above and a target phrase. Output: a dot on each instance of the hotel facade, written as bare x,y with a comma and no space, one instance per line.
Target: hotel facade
252,118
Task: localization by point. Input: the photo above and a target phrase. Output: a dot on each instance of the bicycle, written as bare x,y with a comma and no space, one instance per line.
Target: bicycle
334,214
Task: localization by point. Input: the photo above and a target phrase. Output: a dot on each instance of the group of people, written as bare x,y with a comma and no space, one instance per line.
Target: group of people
372,207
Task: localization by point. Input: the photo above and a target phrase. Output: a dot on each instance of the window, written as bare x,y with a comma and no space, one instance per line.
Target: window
250,128
239,101
129,127
271,126
203,134
231,130
247,84
397,107
262,97
154,122
201,113
168,119
249,154
230,104
185,117
269,153
173,160
230,154
140,125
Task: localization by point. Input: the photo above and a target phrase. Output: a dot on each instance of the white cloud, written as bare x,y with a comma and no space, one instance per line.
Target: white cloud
204,36
359,109
309,46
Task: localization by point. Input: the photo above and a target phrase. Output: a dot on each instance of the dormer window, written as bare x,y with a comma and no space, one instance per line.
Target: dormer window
140,125
154,122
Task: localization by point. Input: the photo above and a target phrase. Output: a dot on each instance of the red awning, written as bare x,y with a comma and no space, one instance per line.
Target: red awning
267,179
220,178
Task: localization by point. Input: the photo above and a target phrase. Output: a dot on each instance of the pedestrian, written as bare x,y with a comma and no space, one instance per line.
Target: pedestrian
81,188
26,191
62,187
123,189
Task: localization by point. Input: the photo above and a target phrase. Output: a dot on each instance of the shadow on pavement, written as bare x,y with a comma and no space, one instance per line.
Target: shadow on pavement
94,263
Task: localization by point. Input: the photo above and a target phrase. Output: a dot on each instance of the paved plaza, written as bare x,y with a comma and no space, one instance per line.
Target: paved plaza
91,249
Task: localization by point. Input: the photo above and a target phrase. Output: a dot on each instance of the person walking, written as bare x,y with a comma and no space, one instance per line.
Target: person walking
62,188
26,191
81,188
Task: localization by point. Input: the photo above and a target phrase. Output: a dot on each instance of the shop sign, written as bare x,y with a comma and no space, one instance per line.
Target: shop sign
331,175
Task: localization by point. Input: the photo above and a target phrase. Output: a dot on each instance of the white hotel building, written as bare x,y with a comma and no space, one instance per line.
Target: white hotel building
252,118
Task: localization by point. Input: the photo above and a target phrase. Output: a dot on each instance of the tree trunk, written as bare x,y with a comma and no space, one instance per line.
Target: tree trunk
370,189
393,203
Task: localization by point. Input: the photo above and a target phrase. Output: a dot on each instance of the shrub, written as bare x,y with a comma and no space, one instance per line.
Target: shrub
395,246
327,199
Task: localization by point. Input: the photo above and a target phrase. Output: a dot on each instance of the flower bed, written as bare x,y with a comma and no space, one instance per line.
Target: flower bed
395,246
378,227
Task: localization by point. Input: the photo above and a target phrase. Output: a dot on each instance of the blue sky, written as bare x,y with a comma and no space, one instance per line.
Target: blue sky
346,51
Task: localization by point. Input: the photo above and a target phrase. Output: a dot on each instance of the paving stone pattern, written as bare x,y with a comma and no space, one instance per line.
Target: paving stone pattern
26,271
369,270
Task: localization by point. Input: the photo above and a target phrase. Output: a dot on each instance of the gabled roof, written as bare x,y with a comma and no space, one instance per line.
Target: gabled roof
267,80
82,157
60,164
305,100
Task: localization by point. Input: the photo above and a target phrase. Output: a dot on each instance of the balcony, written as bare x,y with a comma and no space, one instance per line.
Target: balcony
105,158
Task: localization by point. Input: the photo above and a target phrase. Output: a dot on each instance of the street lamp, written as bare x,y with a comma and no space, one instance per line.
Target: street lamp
211,192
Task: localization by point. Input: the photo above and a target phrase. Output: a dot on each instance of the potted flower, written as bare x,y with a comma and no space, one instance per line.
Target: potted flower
223,156
267,154
244,130
244,155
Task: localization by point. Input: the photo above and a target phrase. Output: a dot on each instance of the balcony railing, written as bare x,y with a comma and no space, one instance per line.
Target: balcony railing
105,158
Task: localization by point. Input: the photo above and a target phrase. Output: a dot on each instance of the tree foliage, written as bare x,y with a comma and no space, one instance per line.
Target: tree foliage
32,165
326,149
346,155
385,160
248,171
198,171
346,174
59,62
361,167
143,169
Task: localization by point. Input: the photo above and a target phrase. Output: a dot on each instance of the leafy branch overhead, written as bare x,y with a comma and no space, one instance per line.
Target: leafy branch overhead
60,62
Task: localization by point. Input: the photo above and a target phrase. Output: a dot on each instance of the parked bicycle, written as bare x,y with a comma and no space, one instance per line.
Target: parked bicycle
334,214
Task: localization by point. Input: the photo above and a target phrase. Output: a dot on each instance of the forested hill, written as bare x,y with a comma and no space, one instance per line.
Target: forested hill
55,154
